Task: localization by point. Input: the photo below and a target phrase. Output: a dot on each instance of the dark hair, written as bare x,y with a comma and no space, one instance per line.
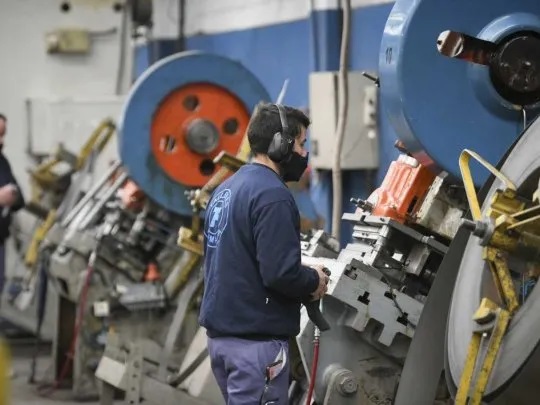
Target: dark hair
265,122
3,117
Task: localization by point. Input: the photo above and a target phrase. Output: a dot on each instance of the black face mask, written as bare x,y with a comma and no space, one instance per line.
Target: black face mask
294,168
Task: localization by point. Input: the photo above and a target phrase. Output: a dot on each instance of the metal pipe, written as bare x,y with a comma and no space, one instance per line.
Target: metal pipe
337,185
182,307
180,273
93,191
99,205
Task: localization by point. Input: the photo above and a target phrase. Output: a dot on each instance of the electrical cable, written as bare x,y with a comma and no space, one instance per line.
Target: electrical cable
343,106
314,366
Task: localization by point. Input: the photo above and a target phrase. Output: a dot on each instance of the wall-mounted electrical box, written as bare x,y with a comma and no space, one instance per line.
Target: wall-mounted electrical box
360,144
68,40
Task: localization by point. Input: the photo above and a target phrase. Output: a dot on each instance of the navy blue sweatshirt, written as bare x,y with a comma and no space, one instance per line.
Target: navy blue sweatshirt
6,177
254,280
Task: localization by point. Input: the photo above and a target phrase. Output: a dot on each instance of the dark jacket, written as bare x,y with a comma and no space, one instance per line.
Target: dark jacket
6,177
254,280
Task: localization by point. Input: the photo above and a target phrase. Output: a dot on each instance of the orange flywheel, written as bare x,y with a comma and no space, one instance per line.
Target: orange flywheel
180,113
191,126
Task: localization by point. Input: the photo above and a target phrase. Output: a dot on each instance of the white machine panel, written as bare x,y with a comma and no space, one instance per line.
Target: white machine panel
67,121
70,122
360,144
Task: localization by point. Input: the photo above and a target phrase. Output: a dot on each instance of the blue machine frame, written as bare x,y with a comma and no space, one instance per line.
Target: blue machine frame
150,89
440,106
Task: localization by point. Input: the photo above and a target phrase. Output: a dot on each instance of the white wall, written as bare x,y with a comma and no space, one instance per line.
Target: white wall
72,93
213,16
29,72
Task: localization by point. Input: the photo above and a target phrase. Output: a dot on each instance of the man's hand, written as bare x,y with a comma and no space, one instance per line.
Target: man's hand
8,195
323,283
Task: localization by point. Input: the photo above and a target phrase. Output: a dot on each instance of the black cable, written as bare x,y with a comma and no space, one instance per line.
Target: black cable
391,290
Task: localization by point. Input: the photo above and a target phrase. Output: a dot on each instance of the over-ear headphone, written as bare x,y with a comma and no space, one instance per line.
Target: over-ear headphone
281,147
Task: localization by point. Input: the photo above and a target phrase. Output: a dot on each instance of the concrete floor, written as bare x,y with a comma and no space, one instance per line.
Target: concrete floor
24,393
22,347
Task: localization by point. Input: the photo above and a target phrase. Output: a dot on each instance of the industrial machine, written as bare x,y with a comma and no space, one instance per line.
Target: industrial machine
55,183
433,301
391,304
379,285
129,289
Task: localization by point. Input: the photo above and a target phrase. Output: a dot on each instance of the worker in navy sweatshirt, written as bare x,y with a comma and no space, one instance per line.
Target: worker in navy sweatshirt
11,199
254,280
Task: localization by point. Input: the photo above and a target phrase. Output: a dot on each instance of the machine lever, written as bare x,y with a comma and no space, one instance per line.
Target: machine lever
316,316
462,46
314,311
374,79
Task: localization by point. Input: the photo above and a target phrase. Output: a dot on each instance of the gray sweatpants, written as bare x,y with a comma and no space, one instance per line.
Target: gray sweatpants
240,368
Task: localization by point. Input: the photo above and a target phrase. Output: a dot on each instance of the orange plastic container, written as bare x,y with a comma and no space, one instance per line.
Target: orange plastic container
402,191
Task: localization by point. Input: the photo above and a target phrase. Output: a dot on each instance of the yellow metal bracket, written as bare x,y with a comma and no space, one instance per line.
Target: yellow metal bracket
32,252
5,366
191,239
491,319
497,329
503,280
97,141
468,182
229,161
46,182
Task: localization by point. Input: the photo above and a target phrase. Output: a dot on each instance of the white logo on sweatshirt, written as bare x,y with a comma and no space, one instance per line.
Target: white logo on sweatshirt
218,215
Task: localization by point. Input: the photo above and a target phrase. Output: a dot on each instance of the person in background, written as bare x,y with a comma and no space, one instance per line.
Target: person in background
254,278
11,199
